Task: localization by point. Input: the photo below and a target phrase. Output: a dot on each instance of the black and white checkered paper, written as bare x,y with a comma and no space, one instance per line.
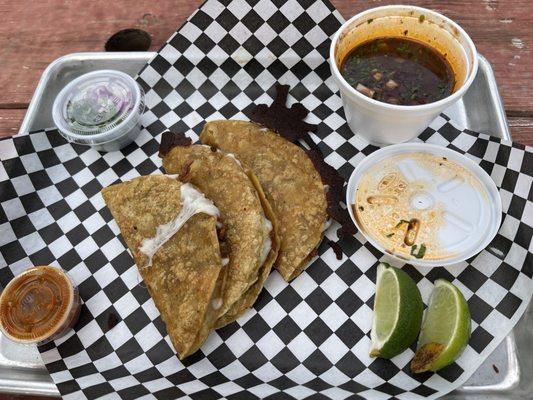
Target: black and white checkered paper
306,338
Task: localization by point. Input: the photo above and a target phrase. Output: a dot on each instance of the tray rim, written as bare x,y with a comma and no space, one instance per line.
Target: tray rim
485,67
495,95
58,62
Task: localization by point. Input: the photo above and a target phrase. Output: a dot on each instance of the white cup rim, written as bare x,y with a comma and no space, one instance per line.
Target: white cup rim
394,107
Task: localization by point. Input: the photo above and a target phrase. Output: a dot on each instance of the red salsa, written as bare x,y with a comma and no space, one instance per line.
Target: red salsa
398,71
39,305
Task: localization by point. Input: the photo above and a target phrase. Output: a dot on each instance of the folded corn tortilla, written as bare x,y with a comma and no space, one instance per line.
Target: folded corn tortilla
170,228
291,184
250,226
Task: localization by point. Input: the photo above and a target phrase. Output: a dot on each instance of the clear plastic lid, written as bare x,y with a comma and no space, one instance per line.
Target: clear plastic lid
38,304
98,107
425,204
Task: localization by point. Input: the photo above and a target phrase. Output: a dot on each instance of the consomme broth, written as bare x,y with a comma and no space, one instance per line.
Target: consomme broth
398,71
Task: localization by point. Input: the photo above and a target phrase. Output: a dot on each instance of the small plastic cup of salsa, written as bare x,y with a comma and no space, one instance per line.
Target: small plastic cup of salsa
393,121
39,305
101,109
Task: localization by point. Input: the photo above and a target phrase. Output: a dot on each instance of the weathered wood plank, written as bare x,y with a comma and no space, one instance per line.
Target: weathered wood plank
10,121
521,129
35,33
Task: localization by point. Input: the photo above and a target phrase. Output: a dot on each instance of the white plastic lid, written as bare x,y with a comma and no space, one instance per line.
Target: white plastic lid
443,198
98,107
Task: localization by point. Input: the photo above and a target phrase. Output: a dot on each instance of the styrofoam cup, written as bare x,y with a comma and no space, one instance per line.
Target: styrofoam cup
382,123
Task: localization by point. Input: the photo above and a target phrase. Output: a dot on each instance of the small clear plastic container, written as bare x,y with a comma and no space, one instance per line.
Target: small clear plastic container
39,305
101,109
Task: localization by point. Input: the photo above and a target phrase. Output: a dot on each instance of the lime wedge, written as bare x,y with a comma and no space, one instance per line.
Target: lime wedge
398,312
445,330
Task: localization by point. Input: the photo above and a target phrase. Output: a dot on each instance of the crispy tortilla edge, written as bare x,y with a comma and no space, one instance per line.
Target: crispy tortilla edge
264,209
212,127
210,315
250,296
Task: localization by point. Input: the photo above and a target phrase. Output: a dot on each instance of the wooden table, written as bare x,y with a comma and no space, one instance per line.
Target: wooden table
34,33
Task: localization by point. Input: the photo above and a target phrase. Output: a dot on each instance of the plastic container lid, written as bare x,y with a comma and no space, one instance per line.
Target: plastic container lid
425,204
98,107
38,305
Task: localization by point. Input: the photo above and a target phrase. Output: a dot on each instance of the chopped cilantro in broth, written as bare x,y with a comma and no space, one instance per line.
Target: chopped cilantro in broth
398,71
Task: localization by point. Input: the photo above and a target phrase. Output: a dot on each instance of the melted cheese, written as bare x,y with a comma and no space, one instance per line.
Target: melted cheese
231,155
192,202
267,243
409,187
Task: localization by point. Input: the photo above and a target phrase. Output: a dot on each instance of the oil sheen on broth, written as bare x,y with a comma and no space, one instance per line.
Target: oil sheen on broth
398,71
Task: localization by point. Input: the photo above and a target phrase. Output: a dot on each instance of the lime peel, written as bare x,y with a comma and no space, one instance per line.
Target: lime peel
398,312
437,347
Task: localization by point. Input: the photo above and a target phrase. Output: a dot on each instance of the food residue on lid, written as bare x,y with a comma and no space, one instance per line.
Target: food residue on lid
403,203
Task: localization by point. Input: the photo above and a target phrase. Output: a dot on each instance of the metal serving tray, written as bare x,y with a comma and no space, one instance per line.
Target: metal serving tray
506,374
